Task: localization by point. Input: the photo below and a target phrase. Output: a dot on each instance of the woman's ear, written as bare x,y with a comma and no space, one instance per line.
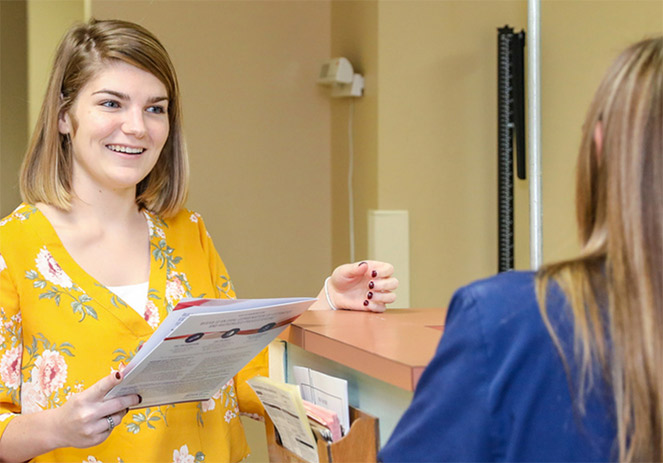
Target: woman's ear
598,141
64,123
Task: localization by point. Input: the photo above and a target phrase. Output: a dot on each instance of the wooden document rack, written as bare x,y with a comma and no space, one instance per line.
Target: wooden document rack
358,445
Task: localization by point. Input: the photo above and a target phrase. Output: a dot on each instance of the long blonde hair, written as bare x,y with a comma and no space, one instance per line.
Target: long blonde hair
615,286
47,167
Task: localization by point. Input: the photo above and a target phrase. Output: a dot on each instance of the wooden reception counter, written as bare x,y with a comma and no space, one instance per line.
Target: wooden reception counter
394,346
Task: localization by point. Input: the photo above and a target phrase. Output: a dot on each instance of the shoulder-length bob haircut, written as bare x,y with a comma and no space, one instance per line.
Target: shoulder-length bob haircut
46,173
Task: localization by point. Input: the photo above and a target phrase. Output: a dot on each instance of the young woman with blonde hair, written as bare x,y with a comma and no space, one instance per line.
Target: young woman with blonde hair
566,364
101,251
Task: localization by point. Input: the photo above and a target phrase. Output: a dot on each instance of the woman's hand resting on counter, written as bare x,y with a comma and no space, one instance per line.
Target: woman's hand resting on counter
367,285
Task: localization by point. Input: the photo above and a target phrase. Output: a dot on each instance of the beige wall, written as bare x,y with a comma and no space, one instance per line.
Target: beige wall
354,26
258,131
47,22
430,117
13,94
437,135
579,40
31,30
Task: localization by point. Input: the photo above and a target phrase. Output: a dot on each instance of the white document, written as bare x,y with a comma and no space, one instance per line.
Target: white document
283,404
327,391
201,345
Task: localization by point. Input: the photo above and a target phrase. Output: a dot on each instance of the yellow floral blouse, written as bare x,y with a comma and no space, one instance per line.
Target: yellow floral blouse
61,331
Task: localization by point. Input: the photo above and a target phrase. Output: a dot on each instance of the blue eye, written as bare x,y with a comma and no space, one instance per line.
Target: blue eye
110,104
157,109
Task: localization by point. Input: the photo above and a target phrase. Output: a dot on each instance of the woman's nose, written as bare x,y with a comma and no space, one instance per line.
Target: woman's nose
134,123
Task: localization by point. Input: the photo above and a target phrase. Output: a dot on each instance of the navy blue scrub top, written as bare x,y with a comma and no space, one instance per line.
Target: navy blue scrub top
497,390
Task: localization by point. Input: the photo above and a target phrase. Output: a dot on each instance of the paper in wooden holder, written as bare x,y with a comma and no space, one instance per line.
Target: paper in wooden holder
360,444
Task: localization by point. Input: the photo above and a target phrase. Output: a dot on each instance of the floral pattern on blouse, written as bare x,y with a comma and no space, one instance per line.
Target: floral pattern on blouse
61,331
61,285
45,386
182,455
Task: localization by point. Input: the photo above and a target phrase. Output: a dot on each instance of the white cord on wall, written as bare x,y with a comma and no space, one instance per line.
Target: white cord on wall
351,221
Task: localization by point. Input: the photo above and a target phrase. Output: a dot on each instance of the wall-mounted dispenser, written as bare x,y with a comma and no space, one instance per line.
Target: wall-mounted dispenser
338,73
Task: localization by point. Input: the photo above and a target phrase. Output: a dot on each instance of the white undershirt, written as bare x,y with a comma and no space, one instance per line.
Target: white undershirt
134,295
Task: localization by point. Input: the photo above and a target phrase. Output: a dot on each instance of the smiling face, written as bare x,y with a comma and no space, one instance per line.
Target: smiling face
118,126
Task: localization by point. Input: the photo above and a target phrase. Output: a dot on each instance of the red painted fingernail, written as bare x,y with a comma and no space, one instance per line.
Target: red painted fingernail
374,274
371,285
366,302
117,375
370,295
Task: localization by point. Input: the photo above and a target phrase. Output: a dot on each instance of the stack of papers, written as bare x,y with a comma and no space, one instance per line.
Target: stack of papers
201,345
329,425
325,391
295,418
283,404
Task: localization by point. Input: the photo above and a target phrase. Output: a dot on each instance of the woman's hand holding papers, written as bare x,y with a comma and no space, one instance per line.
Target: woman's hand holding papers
88,419
84,420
